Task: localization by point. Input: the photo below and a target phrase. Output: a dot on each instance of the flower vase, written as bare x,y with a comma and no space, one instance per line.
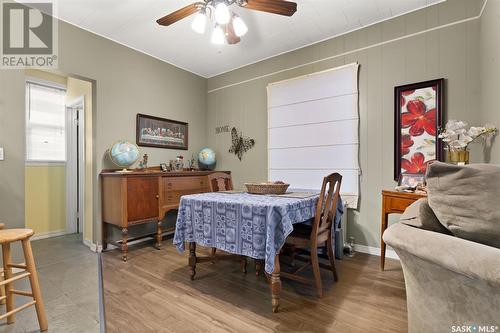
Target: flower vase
458,157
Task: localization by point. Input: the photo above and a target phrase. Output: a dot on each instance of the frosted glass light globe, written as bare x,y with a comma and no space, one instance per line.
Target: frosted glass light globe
222,14
218,37
199,23
240,28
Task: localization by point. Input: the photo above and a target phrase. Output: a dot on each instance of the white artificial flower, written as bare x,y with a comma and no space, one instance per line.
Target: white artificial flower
465,139
455,125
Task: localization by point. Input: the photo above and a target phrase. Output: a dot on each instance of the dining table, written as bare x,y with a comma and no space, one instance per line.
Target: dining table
243,224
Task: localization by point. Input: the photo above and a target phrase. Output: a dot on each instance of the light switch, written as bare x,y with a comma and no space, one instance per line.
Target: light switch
1,154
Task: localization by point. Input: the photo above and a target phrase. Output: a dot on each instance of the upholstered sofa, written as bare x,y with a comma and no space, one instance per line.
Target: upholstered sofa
449,247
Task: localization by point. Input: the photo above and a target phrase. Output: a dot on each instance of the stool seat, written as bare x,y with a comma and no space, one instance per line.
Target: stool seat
14,235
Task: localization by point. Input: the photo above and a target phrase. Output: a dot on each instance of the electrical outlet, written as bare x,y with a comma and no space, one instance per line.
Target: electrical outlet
1,154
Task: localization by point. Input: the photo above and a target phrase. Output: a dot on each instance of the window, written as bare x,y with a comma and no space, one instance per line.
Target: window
45,123
313,130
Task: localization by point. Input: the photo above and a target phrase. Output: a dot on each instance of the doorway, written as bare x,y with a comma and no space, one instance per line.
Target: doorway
59,156
75,166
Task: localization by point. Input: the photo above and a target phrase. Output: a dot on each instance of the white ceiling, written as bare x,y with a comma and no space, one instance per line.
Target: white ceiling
133,23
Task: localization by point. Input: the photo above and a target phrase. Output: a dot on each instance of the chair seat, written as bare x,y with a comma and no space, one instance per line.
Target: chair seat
300,235
14,235
301,230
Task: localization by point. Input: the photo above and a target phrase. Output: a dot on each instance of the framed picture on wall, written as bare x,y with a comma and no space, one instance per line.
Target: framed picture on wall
161,133
418,117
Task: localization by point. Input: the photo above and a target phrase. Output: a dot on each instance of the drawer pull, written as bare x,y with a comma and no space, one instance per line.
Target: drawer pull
157,196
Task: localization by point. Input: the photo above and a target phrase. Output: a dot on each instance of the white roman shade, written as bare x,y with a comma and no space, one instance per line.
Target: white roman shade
313,125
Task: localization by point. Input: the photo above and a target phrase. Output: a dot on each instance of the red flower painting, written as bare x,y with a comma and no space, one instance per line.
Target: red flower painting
418,119
406,143
416,165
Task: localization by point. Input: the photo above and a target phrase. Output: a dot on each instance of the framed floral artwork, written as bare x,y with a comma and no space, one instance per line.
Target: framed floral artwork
418,117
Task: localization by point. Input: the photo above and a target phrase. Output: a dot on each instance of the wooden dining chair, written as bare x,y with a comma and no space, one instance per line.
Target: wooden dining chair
321,232
220,181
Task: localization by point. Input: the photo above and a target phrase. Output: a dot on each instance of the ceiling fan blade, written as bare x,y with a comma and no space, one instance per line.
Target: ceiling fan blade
178,15
230,34
279,7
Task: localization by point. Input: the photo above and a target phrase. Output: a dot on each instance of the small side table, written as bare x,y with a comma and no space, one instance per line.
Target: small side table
393,202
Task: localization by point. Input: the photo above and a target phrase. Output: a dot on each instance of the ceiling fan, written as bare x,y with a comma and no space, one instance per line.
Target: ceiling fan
229,27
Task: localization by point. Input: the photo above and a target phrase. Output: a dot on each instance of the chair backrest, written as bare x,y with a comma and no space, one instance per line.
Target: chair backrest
327,205
220,181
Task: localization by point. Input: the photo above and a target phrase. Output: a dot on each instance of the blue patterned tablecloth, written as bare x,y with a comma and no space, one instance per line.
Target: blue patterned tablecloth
240,223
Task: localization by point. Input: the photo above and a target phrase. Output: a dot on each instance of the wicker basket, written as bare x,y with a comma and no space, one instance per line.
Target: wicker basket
266,188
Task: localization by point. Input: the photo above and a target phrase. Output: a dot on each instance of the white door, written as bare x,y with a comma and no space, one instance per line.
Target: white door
75,166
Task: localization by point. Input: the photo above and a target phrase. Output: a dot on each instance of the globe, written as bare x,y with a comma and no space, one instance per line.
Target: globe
124,154
206,159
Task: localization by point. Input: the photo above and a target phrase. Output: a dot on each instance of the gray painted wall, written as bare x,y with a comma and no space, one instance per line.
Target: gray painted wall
127,82
490,71
450,51
12,139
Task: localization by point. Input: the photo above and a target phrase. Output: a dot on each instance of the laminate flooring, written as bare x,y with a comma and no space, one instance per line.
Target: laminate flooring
152,292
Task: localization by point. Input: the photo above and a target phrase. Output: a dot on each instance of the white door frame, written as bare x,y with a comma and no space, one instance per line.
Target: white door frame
75,116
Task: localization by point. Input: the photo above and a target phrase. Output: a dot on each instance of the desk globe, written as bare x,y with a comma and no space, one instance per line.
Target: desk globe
124,154
206,159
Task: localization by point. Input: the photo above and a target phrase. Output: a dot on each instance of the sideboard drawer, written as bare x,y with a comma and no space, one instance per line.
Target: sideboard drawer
397,204
184,183
173,188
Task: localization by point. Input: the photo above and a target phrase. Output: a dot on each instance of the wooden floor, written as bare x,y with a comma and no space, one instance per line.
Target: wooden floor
152,292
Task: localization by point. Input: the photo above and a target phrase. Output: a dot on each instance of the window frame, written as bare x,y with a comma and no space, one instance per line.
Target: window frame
52,85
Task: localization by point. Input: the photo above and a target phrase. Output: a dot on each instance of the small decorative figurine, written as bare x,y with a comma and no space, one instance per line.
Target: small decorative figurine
191,163
144,163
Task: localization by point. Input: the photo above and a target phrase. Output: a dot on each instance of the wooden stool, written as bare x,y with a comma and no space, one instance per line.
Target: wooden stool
6,237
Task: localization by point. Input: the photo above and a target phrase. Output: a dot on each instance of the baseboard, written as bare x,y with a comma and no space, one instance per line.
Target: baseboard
134,242
49,234
92,246
389,253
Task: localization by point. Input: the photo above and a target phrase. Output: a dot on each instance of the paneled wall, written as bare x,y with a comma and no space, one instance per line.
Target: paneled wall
490,72
438,41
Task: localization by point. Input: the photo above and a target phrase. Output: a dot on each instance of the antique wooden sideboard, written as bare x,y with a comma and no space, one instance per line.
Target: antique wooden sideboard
139,197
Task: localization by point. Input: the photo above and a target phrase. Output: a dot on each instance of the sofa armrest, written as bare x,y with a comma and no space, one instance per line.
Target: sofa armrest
474,260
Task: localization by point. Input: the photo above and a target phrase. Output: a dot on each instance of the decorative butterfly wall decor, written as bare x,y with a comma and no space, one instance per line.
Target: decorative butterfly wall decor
240,144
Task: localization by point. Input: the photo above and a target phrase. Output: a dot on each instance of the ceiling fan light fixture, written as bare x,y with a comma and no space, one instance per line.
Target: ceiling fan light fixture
218,37
200,22
222,14
240,28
